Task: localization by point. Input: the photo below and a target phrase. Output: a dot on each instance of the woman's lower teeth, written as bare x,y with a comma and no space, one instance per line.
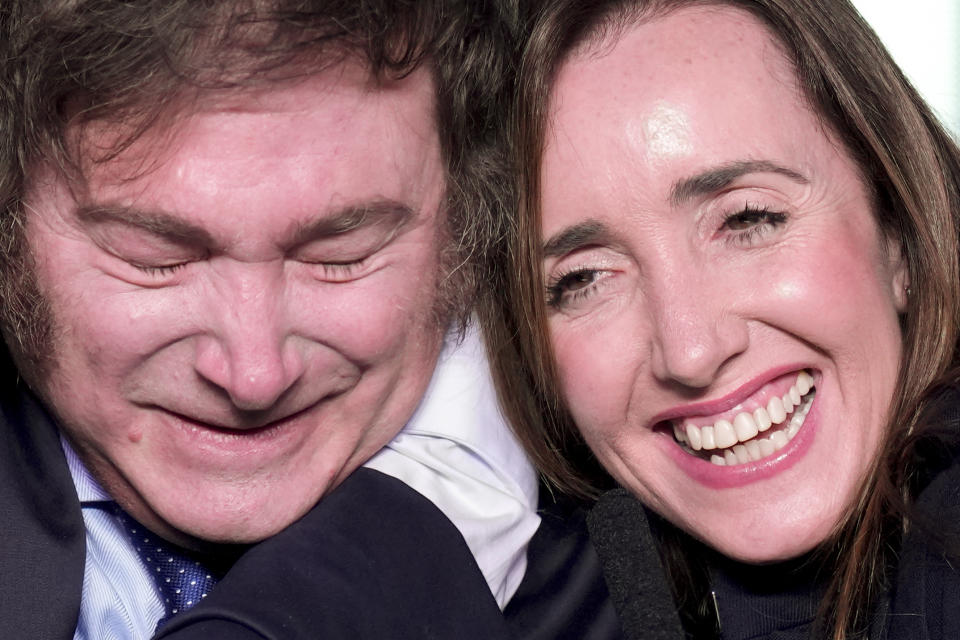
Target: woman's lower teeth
759,448
738,442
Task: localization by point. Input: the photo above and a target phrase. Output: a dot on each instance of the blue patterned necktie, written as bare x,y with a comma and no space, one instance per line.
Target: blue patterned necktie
183,581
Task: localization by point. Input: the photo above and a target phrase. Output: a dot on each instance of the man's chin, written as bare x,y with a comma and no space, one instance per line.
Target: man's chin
220,513
201,531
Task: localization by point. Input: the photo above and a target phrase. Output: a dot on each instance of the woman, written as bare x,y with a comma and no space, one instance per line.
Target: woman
739,264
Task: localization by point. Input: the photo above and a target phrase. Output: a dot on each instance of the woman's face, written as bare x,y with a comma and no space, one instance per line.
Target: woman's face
722,304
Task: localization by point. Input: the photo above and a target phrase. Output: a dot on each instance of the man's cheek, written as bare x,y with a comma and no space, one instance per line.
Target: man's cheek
368,320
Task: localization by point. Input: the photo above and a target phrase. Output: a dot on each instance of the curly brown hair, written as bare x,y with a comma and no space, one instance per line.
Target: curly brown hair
69,62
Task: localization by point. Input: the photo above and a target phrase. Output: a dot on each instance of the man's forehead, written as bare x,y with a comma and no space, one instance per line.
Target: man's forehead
312,156
339,109
341,90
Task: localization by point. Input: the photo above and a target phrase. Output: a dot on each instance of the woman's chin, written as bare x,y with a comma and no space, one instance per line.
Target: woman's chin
776,546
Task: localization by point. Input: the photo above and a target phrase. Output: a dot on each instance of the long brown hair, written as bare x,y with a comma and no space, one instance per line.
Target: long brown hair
907,159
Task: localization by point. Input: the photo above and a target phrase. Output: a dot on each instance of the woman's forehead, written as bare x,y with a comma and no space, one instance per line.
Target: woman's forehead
695,88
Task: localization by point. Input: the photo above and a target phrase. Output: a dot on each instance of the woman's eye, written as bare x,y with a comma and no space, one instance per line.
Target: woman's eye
572,286
750,223
579,280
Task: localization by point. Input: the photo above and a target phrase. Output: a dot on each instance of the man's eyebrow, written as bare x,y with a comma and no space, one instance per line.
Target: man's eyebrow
714,180
386,212
572,238
158,223
172,228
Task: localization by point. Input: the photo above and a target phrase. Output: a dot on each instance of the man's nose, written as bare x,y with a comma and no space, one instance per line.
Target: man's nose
696,330
248,350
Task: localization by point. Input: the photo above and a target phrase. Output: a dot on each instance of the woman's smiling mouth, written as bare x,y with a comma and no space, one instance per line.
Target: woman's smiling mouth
738,441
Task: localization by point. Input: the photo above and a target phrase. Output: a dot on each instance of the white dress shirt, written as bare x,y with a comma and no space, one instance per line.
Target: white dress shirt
120,600
456,450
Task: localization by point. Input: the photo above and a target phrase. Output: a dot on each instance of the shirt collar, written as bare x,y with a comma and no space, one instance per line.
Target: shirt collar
461,405
88,489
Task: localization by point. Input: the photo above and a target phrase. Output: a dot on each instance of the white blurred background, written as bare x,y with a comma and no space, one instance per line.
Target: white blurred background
924,38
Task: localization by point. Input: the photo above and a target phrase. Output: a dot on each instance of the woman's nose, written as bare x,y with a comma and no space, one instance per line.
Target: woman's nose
696,331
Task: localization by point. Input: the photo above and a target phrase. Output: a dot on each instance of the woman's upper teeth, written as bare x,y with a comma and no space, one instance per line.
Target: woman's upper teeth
745,426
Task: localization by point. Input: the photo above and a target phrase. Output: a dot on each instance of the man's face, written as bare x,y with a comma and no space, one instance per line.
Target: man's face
242,303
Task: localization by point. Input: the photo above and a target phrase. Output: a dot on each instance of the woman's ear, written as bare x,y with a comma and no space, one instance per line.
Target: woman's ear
899,274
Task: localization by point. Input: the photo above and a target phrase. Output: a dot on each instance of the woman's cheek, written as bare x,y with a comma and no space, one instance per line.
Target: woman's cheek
595,368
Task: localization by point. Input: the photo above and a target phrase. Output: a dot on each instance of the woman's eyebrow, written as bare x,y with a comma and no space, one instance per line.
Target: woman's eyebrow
574,237
714,180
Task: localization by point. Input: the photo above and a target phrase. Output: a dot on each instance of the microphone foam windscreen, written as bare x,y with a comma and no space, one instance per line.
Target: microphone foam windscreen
632,568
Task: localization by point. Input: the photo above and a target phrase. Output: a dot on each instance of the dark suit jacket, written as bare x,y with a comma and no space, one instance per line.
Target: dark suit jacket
350,572
563,595
374,559
42,538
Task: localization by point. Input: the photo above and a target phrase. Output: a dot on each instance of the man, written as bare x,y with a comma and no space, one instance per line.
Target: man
235,238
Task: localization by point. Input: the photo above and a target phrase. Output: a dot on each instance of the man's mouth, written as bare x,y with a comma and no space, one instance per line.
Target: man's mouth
252,430
749,436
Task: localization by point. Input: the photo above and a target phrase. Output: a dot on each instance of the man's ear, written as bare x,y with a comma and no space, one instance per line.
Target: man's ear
899,274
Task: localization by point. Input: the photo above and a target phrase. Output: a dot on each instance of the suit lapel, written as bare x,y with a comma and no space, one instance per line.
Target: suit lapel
42,538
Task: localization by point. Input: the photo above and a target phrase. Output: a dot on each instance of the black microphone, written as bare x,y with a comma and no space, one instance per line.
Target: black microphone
632,567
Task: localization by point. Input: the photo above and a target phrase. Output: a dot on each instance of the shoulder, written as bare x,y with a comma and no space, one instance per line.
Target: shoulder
373,559
42,555
926,590
563,594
